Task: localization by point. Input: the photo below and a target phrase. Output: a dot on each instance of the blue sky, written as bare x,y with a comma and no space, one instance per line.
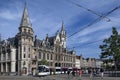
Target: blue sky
46,17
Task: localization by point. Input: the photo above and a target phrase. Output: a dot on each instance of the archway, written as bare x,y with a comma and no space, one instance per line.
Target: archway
24,70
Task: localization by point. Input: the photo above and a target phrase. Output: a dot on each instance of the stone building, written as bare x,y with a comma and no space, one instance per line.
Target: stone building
21,54
99,63
85,63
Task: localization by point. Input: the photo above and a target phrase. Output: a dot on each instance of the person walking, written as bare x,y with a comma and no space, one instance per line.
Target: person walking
68,72
102,73
94,72
73,73
80,73
90,71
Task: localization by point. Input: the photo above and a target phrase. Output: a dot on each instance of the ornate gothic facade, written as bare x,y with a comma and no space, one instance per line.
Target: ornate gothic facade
22,53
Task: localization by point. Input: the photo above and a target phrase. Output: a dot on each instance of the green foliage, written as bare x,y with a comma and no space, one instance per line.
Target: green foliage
43,62
110,49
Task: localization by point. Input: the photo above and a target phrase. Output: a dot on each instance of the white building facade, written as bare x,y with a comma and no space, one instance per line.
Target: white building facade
83,63
21,54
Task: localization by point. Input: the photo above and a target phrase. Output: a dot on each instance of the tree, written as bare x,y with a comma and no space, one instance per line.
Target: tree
110,50
43,62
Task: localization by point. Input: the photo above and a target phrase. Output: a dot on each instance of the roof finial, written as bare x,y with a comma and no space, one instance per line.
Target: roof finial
46,37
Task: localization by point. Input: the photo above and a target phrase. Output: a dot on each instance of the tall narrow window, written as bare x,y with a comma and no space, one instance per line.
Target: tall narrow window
39,55
29,49
24,49
24,55
44,56
51,56
48,56
56,57
28,55
24,63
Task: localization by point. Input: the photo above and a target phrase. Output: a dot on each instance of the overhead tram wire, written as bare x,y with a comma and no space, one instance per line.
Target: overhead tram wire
96,20
88,43
89,10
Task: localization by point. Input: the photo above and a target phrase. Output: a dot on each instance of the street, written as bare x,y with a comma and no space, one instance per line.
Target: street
55,77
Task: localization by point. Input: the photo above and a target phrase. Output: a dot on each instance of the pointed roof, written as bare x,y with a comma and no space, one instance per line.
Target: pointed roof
25,21
62,29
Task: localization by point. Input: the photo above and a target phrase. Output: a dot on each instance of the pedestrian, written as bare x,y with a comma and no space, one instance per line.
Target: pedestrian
73,73
80,73
86,71
68,72
102,73
90,71
94,72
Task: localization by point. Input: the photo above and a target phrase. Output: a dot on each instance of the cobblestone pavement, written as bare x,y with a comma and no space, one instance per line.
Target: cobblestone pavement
55,77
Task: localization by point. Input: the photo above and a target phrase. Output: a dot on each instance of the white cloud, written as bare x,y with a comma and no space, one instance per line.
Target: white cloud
84,39
102,25
46,18
9,15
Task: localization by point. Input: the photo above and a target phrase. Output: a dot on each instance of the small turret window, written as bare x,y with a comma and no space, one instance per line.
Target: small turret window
24,30
28,31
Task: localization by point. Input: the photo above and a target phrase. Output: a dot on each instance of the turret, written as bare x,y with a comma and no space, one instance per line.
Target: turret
25,43
63,36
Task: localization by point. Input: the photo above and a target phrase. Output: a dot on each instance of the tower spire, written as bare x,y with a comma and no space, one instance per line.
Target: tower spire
62,29
62,26
25,21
